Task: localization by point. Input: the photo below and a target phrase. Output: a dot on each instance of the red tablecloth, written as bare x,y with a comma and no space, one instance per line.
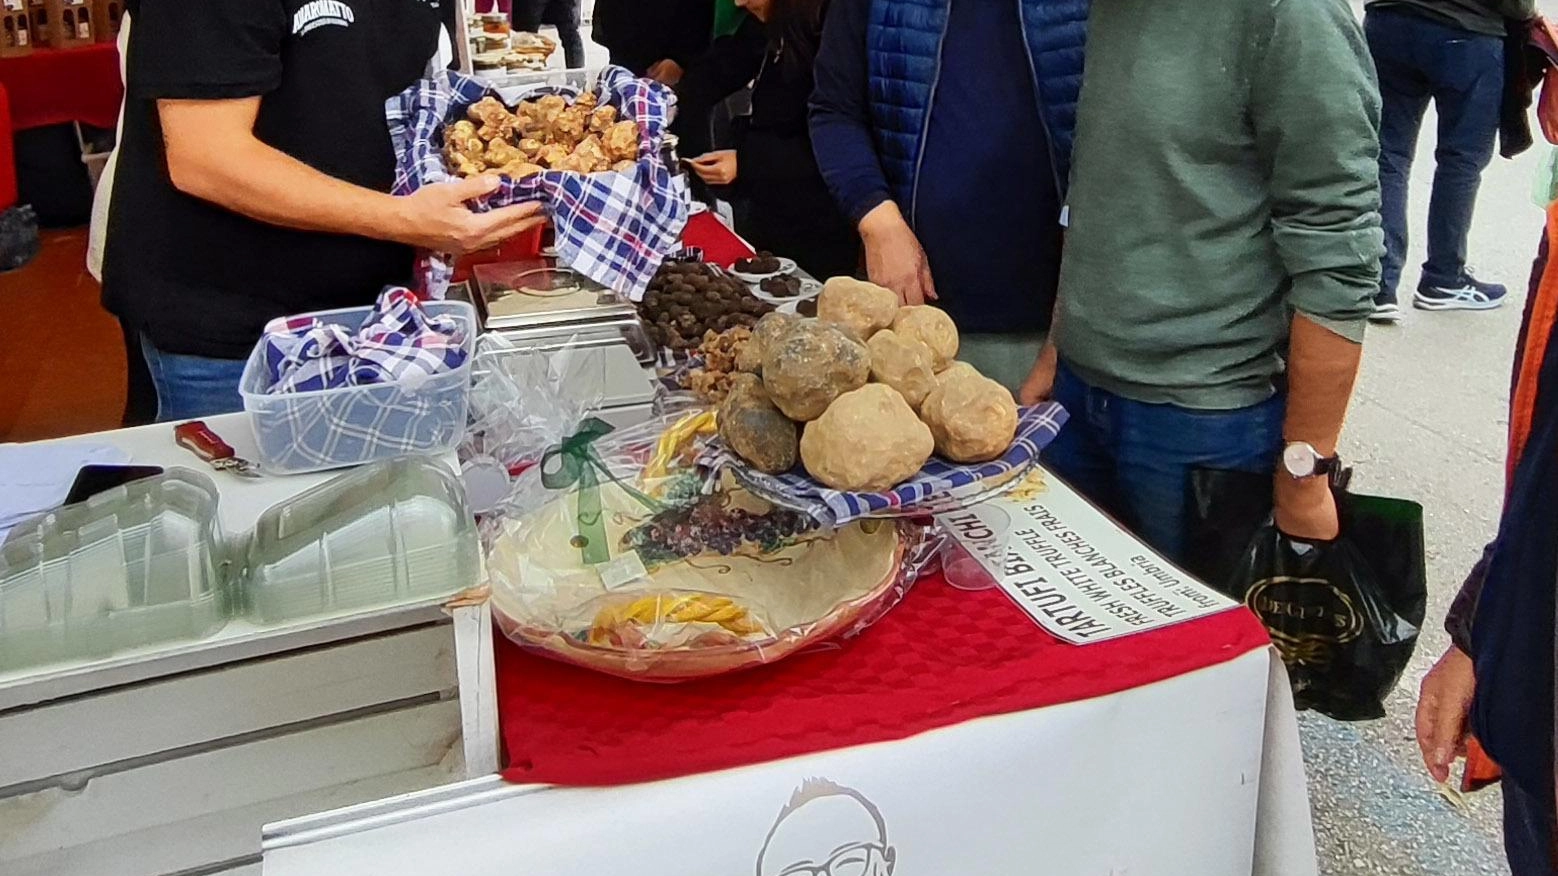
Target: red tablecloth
719,244
940,658
57,86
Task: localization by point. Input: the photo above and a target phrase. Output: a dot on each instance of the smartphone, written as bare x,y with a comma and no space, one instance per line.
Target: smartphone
94,479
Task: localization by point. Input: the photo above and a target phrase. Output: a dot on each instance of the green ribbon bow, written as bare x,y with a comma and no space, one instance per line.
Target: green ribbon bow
576,465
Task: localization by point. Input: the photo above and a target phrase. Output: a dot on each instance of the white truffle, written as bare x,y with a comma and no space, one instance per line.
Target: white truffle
972,418
902,363
932,327
812,364
956,370
863,308
868,440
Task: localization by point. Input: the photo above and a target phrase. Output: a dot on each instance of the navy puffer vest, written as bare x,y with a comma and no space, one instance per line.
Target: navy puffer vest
903,43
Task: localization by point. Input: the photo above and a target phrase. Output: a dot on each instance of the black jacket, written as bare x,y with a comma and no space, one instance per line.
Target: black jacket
725,69
791,210
640,33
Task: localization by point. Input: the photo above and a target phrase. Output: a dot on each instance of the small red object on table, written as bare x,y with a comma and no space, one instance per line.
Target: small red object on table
59,86
720,245
519,248
198,438
940,658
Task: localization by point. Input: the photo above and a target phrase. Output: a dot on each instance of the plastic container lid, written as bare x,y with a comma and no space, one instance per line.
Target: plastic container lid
134,566
389,533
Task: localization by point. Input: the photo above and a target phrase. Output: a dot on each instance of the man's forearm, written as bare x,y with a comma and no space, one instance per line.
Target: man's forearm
263,183
1322,369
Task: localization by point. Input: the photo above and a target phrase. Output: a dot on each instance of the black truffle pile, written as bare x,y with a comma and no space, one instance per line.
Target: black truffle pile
685,300
763,263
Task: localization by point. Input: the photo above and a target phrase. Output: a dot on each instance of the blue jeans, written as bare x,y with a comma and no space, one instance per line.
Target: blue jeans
1528,833
1418,60
191,387
1134,459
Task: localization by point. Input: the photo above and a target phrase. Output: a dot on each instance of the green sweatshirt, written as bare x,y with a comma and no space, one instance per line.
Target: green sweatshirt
1225,176
1478,16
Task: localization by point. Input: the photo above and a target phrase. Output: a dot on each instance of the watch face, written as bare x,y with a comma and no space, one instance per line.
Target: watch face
1299,459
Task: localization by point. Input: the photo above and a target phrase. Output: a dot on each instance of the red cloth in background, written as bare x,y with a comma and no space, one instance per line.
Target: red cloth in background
58,86
8,193
940,658
720,245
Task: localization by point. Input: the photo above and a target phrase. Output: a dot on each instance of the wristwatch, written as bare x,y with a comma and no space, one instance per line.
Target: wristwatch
1302,461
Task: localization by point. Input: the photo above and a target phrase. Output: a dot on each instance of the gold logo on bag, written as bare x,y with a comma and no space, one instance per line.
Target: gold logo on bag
1308,618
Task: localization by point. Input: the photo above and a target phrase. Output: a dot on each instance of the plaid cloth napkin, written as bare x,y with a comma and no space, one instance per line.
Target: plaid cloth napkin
398,343
1037,426
614,228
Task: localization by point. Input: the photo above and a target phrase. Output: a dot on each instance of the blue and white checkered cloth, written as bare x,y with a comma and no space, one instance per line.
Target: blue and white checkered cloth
1037,426
398,343
614,228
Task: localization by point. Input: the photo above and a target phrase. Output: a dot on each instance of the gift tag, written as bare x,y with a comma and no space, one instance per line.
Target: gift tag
623,572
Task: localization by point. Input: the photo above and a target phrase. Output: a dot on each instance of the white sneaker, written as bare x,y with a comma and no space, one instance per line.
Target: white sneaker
1469,294
1386,313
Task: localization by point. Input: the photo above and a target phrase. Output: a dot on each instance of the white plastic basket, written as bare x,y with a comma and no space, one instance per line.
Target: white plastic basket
333,428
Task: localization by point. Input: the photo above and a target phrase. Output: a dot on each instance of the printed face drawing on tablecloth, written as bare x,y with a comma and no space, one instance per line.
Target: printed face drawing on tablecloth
827,830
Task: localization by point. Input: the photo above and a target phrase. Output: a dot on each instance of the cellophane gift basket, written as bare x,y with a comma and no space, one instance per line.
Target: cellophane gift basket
620,554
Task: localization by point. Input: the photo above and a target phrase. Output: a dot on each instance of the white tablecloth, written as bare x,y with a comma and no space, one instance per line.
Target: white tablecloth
1200,775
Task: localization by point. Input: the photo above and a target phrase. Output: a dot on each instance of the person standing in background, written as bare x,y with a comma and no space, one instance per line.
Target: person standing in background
140,402
943,129
1222,254
715,76
1450,52
772,167
529,15
654,38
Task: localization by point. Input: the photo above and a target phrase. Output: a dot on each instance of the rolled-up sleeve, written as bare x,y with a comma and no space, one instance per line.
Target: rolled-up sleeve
1315,110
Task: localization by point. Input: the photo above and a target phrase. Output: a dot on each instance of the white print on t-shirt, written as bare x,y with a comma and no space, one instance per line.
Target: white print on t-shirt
321,13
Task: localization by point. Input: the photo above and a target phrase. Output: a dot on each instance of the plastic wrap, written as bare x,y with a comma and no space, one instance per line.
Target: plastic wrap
617,553
521,403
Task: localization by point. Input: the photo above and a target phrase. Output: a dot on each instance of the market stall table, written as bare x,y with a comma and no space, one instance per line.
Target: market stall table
976,743
169,758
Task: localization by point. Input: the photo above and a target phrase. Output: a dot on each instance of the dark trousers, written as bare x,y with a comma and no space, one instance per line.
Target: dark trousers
1419,59
1528,833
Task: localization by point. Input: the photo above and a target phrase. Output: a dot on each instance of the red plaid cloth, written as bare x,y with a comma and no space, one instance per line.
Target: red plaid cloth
942,657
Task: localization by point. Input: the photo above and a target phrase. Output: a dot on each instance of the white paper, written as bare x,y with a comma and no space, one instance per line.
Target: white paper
36,477
1075,572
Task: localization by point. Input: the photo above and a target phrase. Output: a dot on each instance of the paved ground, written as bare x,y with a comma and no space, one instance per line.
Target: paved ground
1428,423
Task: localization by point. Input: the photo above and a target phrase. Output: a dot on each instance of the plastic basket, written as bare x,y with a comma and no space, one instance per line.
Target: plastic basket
333,428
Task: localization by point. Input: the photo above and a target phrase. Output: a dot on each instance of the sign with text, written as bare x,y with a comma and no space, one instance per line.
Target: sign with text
1073,570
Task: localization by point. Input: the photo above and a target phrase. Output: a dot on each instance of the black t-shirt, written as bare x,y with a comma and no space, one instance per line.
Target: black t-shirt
199,279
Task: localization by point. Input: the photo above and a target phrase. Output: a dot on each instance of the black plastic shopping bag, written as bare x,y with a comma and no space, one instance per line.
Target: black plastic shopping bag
1344,614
